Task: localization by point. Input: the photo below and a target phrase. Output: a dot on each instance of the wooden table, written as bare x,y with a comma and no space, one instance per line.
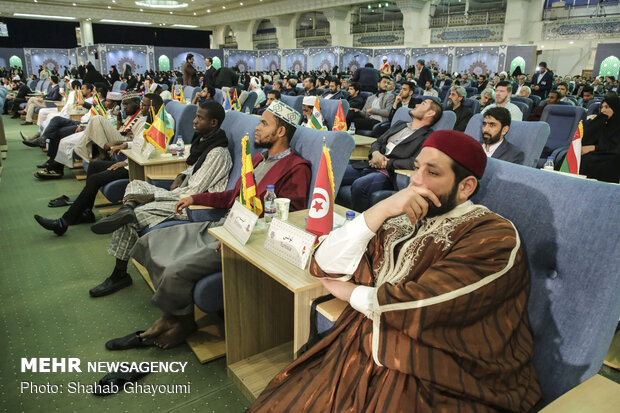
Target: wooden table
266,307
362,147
140,167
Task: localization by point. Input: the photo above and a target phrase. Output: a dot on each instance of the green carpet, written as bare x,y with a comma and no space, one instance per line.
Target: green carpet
47,312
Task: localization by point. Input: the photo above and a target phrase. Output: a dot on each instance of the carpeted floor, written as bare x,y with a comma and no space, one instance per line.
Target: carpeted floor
47,312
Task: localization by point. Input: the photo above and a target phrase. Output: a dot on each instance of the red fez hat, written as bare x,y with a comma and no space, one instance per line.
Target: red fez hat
461,147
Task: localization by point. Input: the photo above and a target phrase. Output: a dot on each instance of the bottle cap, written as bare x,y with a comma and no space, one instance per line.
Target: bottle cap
549,158
270,187
350,214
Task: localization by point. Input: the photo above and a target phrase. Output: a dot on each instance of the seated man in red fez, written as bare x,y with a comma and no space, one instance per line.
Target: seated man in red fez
437,288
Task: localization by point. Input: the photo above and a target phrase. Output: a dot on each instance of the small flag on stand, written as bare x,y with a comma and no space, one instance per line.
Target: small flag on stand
181,95
234,103
247,195
321,213
227,104
572,161
317,121
97,108
160,130
340,121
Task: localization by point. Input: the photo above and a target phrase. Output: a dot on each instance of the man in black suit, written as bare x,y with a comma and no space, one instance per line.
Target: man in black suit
22,91
395,149
209,76
495,126
425,73
542,81
367,77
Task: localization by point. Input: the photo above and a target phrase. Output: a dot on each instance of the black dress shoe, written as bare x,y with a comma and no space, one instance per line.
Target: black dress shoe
87,218
34,143
110,286
111,223
56,225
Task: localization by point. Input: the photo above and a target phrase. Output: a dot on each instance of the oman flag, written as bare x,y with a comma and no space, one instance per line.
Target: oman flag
573,156
321,213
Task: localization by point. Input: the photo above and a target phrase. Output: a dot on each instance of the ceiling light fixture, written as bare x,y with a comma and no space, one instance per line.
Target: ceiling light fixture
208,10
189,26
42,16
194,13
161,4
124,22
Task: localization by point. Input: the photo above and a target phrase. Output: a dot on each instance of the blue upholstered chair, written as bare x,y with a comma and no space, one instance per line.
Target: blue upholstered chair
32,84
433,98
308,143
219,96
39,86
329,108
530,137
472,104
594,108
573,263
471,91
563,121
183,116
294,101
189,92
118,86
537,99
523,108
249,103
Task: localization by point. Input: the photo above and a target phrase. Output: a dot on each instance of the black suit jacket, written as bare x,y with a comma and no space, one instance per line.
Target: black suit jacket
368,78
508,152
546,83
403,155
54,94
209,77
463,115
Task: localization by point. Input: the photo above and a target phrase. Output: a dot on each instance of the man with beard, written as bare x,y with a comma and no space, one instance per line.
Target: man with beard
177,257
145,205
502,100
395,149
376,109
456,98
427,275
495,126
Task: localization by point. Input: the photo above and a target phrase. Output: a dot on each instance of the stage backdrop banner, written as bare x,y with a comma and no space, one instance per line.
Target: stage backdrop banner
477,61
245,60
323,59
121,55
269,60
295,59
354,58
395,57
53,58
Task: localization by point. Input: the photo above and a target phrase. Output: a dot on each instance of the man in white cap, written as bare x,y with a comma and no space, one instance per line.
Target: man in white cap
177,257
255,87
385,69
306,106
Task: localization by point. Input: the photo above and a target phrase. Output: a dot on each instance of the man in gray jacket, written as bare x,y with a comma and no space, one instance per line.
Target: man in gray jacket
377,108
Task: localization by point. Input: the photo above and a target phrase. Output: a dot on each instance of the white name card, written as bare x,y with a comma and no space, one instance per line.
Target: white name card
240,222
289,243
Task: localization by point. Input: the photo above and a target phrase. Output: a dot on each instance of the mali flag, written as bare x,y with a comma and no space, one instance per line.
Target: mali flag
340,121
97,108
321,213
317,121
160,130
572,161
247,196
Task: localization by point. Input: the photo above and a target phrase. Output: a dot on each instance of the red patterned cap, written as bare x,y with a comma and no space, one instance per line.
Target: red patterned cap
461,147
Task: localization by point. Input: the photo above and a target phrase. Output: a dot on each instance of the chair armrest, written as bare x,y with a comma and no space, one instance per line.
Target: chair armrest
597,394
331,309
199,213
161,177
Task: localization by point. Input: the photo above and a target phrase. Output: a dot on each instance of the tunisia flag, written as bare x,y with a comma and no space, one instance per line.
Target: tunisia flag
321,213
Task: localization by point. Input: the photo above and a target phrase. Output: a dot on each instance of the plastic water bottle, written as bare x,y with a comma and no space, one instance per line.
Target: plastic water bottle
549,164
352,128
180,146
269,204
350,216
